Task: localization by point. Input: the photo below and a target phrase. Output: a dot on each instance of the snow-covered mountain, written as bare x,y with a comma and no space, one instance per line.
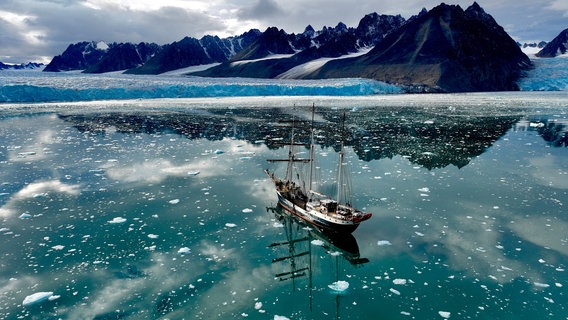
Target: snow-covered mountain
96,57
23,66
446,49
558,46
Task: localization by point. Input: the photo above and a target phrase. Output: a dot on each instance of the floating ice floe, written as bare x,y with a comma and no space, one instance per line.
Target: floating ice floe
395,291
277,317
247,210
219,151
193,173
230,225
444,314
38,297
25,216
258,305
58,247
117,220
317,242
184,250
425,189
399,281
153,236
384,243
278,225
174,201
339,286
541,285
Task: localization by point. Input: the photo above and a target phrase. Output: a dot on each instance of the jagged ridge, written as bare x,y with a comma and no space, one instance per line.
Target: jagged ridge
558,46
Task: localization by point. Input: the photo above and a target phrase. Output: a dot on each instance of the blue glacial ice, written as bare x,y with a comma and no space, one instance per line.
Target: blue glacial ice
548,74
68,87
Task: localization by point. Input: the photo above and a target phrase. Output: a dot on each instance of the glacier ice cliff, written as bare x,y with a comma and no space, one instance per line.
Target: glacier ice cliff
68,87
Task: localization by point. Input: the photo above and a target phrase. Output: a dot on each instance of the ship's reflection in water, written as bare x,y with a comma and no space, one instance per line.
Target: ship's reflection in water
314,262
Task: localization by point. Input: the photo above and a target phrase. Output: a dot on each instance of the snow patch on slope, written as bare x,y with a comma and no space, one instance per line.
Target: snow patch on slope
314,65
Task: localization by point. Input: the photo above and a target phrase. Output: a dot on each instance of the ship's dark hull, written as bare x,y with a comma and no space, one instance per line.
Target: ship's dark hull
328,226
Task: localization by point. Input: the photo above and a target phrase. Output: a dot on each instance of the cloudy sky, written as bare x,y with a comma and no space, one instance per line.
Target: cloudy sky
36,30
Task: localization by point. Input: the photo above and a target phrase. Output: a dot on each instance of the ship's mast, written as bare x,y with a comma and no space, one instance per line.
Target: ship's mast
312,150
289,170
340,168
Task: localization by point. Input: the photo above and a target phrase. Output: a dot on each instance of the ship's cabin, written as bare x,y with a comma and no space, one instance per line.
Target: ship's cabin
329,205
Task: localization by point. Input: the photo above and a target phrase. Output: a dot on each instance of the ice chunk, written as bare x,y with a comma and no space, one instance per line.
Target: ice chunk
395,291
384,243
184,250
278,225
247,210
36,298
58,247
258,305
399,281
117,220
25,216
317,242
425,189
339,286
277,317
174,201
230,225
444,314
219,151
193,172
153,236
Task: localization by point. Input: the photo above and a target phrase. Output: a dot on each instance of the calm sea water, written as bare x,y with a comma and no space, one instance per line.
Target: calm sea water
160,209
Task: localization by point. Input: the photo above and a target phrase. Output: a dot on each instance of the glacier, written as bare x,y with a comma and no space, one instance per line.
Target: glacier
548,74
18,87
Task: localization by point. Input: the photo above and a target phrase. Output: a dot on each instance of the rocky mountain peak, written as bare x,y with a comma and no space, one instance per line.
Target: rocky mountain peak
558,46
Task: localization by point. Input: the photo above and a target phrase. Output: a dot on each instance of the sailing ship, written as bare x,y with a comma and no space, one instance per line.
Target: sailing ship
318,209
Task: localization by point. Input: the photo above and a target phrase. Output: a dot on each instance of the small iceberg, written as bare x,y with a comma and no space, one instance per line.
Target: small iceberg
339,286
174,201
317,242
278,225
117,220
247,210
193,173
384,243
184,250
37,297
230,225
25,216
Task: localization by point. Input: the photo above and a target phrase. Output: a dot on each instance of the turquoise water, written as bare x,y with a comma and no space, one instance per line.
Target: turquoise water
160,209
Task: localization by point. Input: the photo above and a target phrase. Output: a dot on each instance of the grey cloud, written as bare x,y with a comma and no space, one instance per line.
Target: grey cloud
260,10
58,23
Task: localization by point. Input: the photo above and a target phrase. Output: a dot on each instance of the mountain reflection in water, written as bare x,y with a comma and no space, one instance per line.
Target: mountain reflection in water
430,138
